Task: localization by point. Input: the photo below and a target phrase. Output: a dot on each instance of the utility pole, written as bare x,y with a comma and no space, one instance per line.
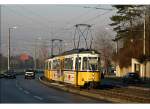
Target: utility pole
35,63
144,48
144,42
9,30
35,52
60,46
9,50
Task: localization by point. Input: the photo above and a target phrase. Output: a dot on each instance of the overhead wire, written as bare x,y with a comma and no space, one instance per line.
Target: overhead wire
35,20
35,14
31,19
50,21
95,17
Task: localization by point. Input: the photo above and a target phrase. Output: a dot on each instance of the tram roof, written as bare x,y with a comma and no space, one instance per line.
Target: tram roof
75,51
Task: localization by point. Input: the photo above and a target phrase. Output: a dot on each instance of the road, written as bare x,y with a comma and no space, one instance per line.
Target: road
20,90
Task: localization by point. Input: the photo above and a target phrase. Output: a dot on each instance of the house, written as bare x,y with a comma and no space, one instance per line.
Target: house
136,66
142,68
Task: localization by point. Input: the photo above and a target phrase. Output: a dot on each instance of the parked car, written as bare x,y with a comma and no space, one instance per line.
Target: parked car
132,78
29,74
10,74
1,75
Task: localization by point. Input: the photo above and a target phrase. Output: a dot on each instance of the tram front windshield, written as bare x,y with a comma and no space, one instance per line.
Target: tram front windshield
91,63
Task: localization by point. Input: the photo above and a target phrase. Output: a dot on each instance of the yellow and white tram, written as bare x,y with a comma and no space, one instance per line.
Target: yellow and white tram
78,67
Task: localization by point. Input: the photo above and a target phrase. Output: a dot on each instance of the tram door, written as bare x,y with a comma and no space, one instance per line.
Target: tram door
62,69
77,68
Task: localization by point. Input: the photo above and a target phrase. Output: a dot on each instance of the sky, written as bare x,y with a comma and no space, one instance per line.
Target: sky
38,24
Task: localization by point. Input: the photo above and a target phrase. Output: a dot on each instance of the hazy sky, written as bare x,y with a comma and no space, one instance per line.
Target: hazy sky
41,23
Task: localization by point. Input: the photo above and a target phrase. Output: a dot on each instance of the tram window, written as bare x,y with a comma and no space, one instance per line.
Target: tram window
68,64
49,66
93,63
90,63
85,63
78,62
99,63
56,64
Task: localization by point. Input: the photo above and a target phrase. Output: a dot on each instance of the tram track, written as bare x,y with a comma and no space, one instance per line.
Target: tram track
136,92
122,95
115,94
133,95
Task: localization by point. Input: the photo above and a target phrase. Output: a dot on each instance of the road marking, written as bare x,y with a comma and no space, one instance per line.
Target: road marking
56,84
26,92
16,84
37,97
20,88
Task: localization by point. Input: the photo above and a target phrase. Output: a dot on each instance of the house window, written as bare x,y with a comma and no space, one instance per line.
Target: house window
137,67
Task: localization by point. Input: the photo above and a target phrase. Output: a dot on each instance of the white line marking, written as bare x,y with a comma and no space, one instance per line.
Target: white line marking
37,97
20,88
56,84
16,85
26,92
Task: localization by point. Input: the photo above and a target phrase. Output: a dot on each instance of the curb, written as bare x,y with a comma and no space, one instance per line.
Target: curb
139,88
135,87
85,93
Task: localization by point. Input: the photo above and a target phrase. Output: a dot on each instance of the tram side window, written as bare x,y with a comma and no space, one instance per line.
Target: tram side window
56,64
78,63
68,64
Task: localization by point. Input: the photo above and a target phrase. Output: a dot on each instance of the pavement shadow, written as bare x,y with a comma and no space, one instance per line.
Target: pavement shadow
107,86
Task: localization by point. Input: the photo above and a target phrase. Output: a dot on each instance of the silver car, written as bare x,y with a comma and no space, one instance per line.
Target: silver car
29,74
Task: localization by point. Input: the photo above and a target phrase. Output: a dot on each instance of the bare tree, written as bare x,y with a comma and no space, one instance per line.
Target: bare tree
43,54
103,44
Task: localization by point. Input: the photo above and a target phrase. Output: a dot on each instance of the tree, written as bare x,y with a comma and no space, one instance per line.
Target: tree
3,62
128,23
103,44
43,55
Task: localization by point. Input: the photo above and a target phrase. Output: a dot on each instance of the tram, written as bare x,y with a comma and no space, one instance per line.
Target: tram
79,67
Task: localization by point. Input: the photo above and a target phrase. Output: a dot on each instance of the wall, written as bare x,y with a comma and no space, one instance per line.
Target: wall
144,71
122,71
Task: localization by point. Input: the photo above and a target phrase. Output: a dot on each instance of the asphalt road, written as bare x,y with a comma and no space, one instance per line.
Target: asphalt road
22,90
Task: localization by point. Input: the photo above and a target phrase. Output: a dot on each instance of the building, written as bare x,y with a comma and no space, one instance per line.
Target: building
136,66
142,68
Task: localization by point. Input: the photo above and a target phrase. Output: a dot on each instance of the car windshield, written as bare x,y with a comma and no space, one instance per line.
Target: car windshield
133,74
29,71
